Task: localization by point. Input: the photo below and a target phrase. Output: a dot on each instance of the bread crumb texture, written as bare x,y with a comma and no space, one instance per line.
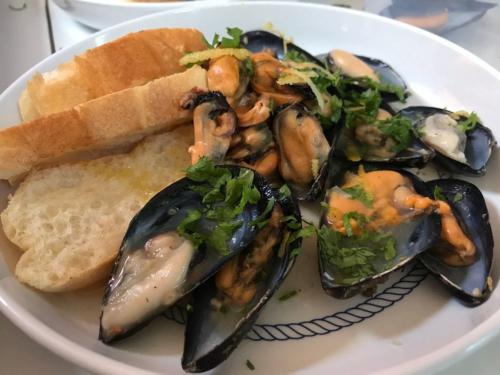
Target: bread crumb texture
70,220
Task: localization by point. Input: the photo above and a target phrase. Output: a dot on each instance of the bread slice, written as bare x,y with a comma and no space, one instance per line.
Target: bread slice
112,121
129,61
70,220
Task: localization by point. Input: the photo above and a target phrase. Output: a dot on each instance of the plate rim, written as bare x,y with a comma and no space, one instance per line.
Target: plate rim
152,5
67,349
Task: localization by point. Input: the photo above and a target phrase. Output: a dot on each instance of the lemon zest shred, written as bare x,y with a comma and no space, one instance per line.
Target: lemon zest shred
307,80
200,56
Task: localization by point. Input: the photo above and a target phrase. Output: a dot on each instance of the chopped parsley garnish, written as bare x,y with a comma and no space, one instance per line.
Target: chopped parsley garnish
224,198
458,197
357,256
287,295
248,66
189,307
250,365
358,193
399,129
438,193
234,38
295,56
296,252
469,123
362,108
285,191
233,41
360,220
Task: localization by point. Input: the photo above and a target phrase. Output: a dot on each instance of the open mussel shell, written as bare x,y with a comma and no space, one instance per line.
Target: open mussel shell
479,145
412,237
471,284
417,154
211,334
133,297
258,40
386,74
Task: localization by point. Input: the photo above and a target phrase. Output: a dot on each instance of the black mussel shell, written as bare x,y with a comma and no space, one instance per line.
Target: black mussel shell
471,284
416,155
479,146
162,214
318,141
212,335
258,40
413,238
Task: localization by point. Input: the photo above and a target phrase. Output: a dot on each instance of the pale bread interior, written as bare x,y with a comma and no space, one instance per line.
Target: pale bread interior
70,220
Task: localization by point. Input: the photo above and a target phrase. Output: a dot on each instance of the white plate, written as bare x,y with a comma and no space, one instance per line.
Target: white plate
100,14
424,329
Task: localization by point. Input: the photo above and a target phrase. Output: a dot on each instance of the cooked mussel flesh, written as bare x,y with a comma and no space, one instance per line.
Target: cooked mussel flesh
214,123
384,138
376,221
462,259
303,149
228,76
462,144
267,71
159,262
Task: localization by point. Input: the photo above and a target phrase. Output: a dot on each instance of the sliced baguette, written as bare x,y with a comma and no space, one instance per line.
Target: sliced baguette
129,61
70,220
112,121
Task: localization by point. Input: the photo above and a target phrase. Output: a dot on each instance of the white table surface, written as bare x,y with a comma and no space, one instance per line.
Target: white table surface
18,353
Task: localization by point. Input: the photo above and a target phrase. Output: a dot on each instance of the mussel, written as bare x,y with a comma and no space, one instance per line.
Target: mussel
358,67
156,266
373,141
464,267
303,150
228,76
214,123
214,326
458,149
376,221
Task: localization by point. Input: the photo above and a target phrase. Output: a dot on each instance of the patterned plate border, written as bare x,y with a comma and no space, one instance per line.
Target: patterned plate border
330,323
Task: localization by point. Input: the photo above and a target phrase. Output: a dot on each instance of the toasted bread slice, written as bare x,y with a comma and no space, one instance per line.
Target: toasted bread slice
70,220
129,61
109,122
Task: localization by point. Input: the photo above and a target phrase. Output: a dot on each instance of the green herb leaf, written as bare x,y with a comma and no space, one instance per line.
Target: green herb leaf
469,123
295,56
248,66
215,40
188,228
189,307
346,219
287,295
234,38
250,365
224,198
358,193
295,252
356,257
400,129
458,197
438,194
284,192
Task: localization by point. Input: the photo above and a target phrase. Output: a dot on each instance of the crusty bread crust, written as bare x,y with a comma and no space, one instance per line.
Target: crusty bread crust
129,61
114,120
